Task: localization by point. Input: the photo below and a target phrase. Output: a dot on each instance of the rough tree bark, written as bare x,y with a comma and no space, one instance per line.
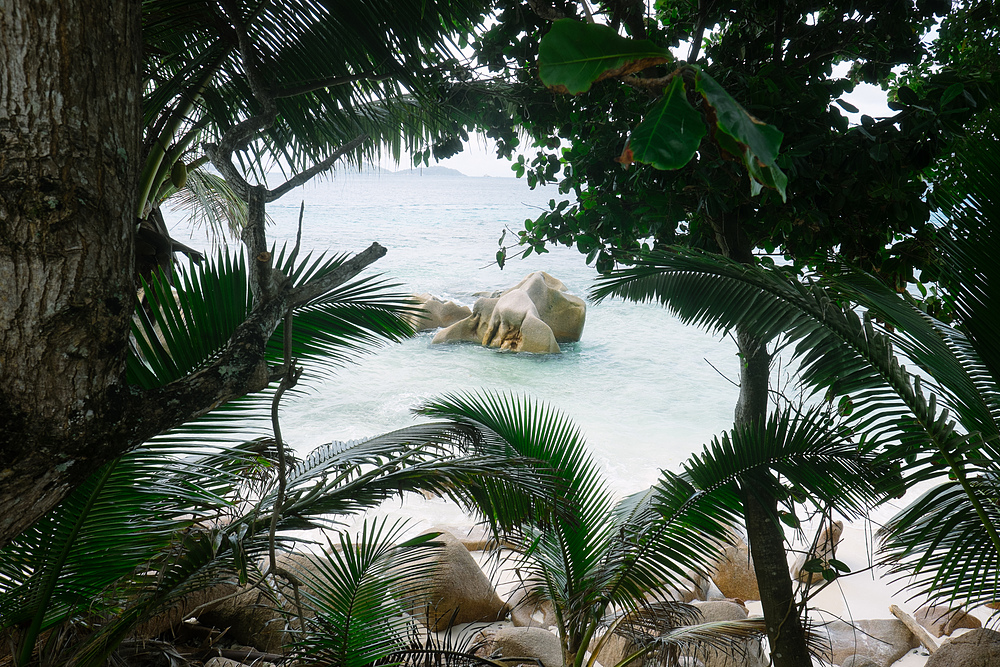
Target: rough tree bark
69,145
70,128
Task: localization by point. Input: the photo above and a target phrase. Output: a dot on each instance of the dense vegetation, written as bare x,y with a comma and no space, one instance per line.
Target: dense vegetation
132,481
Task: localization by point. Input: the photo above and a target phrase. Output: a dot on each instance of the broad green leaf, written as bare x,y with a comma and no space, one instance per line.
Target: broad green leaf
839,565
761,174
953,91
670,134
763,139
846,106
758,141
574,55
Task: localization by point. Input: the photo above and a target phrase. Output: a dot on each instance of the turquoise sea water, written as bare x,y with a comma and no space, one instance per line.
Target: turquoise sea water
640,384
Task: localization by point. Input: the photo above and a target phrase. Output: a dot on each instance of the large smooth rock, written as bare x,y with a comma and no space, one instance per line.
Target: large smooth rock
524,643
940,620
750,654
251,618
697,586
860,661
529,610
826,547
720,610
882,640
473,538
533,316
734,574
457,592
977,648
433,313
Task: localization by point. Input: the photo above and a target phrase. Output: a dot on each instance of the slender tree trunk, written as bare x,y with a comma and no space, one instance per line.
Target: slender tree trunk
766,538
760,511
69,150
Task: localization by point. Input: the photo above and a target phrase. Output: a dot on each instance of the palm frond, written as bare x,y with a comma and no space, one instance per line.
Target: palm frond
386,63
971,209
186,326
839,352
650,641
942,419
211,204
806,452
74,559
358,592
354,317
938,545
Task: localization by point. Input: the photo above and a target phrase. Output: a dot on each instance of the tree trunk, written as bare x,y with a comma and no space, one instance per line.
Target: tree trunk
69,150
766,538
760,511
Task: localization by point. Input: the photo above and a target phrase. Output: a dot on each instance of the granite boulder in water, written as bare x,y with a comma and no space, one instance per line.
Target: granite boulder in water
533,316
431,312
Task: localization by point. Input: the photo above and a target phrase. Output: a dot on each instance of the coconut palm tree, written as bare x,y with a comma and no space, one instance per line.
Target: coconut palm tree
940,422
297,84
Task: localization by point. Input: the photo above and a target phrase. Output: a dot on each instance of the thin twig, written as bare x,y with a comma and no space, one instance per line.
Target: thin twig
735,384
290,379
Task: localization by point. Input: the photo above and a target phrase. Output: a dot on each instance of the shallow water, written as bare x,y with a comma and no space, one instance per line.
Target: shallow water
640,384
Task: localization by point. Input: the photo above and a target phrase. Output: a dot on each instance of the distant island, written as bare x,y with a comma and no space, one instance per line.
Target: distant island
436,171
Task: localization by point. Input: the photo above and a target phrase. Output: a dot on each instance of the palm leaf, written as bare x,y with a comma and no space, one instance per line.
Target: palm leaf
211,204
117,521
804,452
847,357
195,64
358,593
938,545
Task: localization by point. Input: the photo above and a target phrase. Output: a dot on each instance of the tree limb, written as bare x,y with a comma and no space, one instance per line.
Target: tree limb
241,368
316,288
317,168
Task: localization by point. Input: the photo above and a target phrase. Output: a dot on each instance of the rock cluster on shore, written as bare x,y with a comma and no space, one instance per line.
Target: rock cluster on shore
464,598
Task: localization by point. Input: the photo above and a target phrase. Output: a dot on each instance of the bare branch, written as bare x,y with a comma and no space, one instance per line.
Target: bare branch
352,267
254,237
319,167
224,163
289,380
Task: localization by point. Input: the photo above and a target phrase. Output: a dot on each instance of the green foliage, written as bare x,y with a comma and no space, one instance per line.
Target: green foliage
606,564
188,323
671,132
573,55
84,559
358,590
941,423
337,70
857,190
